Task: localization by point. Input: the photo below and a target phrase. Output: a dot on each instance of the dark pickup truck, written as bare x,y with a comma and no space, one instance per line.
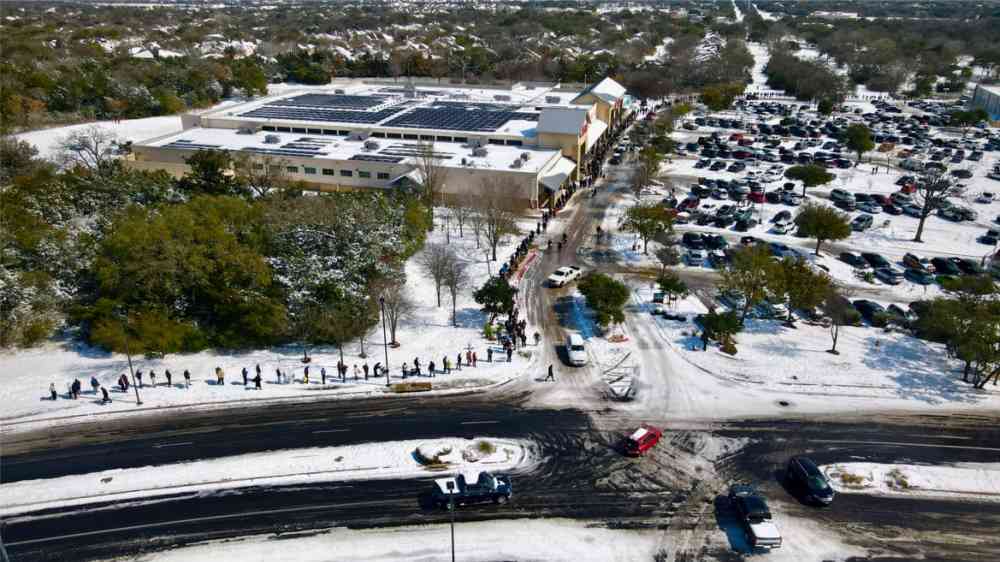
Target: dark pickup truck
487,487
761,532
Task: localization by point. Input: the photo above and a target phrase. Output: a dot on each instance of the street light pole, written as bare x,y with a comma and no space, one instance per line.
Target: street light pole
128,355
385,340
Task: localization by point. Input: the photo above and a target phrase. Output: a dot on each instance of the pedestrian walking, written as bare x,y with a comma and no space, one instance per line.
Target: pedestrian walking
244,373
510,353
376,368
468,357
256,381
444,365
524,340
52,391
152,378
357,372
257,369
187,378
76,388
220,376
138,377
474,359
322,375
551,376
416,365
430,368
458,362
104,398
277,374
404,369
170,378
94,384
365,369
305,375
121,382
489,354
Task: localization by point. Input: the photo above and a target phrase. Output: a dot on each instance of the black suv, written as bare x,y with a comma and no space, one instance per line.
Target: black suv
806,478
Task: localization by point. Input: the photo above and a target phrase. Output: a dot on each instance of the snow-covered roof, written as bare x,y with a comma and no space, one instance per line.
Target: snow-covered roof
554,177
562,120
607,90
594,132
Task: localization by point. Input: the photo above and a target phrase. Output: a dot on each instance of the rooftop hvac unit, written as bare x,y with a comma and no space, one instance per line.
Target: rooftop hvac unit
525,156
272,139
516,163
474,142
359,135
552,99
479,151
339,91
371,145
246,131
501,97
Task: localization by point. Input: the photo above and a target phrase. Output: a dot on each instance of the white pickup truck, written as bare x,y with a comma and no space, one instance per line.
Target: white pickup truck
761,531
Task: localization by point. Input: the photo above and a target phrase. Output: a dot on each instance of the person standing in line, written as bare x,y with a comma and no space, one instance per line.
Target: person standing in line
52,391
416,366
94,384
256,381
377,368
458,361
474,359
430,368
305,375
76,389
489,354
244,373
365,369
510,354
170,378
468,357
357,372
551,376
187,378
257,369
444,364
277,374
404,369
105,398
152,378
322,374
220,376
138,377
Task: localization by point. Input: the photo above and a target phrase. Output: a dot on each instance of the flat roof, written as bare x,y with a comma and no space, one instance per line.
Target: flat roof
320,147
513,111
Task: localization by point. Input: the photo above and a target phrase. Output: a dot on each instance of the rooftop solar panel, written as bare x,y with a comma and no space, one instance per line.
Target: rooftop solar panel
332,101
376,158
457,119
321,115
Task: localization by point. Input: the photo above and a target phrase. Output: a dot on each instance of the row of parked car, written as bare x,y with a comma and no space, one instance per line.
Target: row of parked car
919,270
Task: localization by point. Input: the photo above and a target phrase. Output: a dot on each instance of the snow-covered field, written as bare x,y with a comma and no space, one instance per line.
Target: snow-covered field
552,540
45,140
367,461
874,370
428,335
979,481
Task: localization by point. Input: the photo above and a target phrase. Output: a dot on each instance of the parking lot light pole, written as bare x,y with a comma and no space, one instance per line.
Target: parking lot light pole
128,355
385,340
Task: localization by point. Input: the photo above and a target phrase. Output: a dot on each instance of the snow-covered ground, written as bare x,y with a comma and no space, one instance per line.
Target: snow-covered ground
45,140
552,540
979,481
428,335
367,461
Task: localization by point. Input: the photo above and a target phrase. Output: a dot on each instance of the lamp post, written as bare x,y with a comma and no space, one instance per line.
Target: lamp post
128,355
451,509
385,340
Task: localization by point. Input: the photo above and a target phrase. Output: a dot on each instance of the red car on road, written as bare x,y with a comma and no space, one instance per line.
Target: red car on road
642,440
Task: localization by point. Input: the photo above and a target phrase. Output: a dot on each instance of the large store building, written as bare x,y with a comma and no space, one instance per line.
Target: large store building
532,140
988,98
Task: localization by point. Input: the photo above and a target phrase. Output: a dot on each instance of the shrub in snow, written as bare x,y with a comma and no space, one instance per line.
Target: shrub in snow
431,455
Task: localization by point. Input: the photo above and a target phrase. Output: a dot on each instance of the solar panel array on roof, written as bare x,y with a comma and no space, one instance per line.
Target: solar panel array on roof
454,119
413,150
322,115
376,158
474,105
190,145
331,101
283,151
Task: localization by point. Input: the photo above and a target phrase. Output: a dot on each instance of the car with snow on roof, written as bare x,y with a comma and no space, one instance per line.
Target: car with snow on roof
761,532
564,275
642,439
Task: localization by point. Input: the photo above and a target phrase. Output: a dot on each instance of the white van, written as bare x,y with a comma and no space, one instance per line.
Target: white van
576,352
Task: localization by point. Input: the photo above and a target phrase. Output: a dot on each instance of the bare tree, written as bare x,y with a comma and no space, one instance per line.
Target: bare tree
456,278
434,260
934,188
839,310
477,224
397,301
91,148
431,175
261,174
499,221
461,211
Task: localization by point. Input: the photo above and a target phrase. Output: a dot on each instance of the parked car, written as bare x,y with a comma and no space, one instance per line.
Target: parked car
914,261
919,276
967,266
576,350
870,207
714,242
854,260
803,474
991,237
642,440
876,260
841,196
868,309
752,508
892,210
694,257
889,276
985,198
944,266
564,275
862,222
693,240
